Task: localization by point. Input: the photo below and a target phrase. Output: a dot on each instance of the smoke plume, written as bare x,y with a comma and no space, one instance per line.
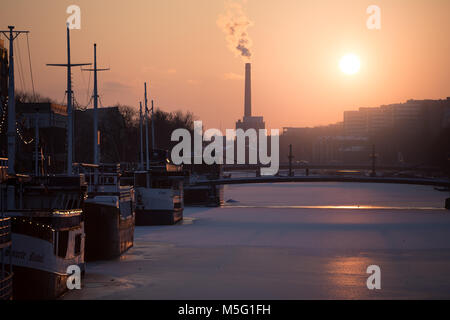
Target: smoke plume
234,23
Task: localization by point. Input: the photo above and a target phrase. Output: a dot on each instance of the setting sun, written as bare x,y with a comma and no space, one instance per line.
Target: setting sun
350,64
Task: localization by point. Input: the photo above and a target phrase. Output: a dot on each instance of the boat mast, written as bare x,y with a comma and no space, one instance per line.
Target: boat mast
95,96
11,100
69,102
140,129
153,129
146,129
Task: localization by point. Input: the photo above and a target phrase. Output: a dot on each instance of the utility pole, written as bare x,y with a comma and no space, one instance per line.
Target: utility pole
153,129
291,174
147,166
11,35
373,156
69,66
36,145
140,129
95,96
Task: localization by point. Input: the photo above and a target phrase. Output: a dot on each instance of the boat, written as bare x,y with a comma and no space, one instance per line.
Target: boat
204,195
109,209
108,212
159,192
159,184
6,274
47,231
45,211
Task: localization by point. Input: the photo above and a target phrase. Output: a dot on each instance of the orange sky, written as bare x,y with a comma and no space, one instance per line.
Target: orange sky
177,46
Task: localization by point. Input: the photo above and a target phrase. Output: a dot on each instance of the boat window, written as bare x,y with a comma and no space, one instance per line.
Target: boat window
70,204
161,184
63,241
176,185
140,180
77,250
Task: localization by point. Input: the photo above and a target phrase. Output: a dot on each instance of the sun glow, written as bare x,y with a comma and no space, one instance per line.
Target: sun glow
350,64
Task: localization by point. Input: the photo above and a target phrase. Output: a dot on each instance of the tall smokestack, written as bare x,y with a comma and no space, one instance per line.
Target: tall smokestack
248,91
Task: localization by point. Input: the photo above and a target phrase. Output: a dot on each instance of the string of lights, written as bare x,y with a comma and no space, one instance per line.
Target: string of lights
3,117
18,131
41,225
79,107
21,135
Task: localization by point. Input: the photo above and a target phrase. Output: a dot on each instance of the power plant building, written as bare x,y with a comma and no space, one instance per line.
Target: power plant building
249,121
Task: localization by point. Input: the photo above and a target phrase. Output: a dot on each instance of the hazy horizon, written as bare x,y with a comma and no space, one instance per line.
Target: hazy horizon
179,48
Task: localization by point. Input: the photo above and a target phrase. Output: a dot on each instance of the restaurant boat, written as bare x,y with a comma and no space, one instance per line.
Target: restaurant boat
6,274
108,212
47,231
159,192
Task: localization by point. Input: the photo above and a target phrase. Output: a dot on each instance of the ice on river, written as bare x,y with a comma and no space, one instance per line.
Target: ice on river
289,241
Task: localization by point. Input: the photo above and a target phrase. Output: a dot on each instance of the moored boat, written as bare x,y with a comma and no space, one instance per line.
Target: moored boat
45,211
204,195
108,212
159,192
6,274
46,240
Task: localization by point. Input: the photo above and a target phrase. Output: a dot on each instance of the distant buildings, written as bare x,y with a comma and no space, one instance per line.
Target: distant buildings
431,115
52,121
112,129
324,144
50,115
400,132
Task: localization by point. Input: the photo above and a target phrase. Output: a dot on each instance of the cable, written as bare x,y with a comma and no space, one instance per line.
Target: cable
89,86
64,98
31,69
100,100
84,83
79,105
20,65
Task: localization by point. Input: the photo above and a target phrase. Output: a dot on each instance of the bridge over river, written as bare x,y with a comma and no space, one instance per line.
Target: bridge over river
322,178
442,183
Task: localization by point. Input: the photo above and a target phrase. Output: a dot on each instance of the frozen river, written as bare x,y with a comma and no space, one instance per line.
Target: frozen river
289,241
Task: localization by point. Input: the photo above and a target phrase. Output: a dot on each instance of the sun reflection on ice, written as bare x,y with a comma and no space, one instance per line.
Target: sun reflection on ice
348,277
